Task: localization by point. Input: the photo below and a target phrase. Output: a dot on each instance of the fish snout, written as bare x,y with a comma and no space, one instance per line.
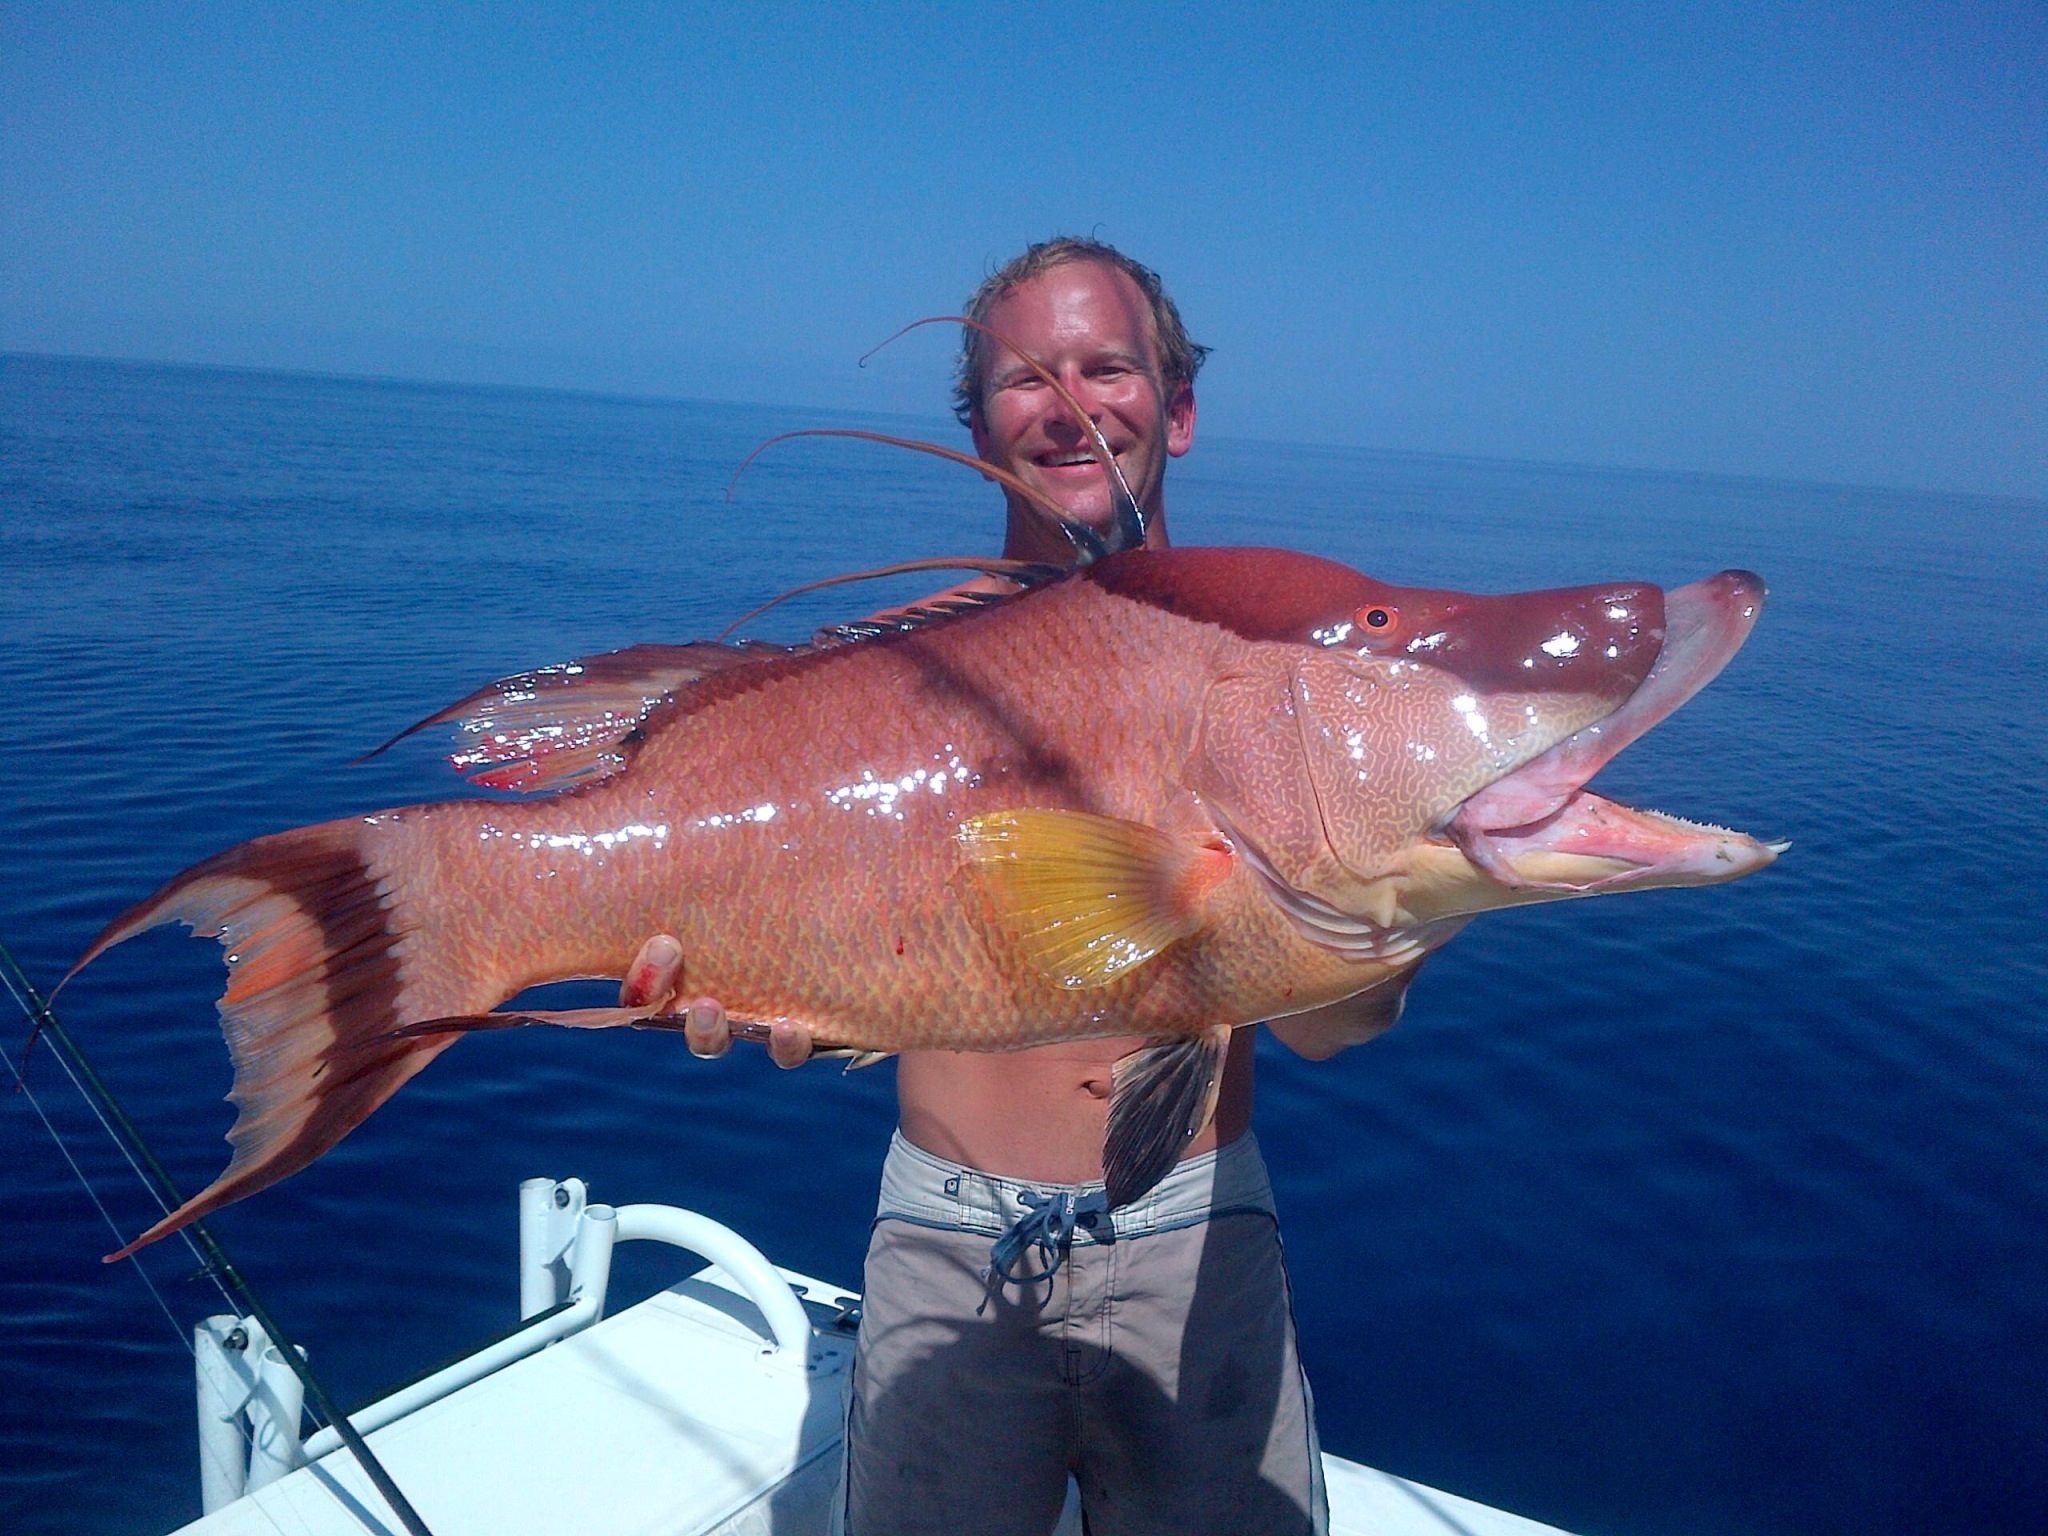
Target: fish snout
1737,594
1699,627
1606,642
1588,642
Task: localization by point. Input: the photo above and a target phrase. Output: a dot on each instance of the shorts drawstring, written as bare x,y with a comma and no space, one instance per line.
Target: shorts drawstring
1047,1224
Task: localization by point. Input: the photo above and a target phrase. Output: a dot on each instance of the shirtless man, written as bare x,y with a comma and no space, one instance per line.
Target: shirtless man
1014,1332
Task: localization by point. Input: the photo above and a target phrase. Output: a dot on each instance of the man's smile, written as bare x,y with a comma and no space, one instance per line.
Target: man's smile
1089,326
1074,459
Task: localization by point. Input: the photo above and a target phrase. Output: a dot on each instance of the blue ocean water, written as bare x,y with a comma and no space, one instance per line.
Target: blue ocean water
1686,1212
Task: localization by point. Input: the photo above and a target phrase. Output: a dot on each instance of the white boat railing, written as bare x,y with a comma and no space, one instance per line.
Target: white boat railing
250,1402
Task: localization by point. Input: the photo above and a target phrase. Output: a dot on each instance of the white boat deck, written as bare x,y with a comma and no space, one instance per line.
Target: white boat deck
678,1416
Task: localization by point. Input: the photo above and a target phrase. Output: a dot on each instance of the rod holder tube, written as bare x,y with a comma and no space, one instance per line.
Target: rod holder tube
223,1392
549,1213
590,1261
274,1423
537,1285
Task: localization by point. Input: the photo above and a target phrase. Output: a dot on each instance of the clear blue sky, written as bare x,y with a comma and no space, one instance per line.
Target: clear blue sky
1803,241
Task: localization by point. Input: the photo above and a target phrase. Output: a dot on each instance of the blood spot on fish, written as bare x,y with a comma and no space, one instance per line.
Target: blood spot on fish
899,943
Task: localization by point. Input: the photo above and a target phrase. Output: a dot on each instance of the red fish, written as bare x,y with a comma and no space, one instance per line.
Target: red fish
1169,794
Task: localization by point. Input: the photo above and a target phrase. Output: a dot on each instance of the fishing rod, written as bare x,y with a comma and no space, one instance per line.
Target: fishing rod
212,1255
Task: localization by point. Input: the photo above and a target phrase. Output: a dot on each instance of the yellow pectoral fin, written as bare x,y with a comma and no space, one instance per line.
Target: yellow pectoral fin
1089,897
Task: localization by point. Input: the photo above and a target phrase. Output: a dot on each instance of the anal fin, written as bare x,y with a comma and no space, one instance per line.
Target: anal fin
759,1031
563,1018
1164,1097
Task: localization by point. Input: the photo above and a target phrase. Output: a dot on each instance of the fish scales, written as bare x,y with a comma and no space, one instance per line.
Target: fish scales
1167,795
796,836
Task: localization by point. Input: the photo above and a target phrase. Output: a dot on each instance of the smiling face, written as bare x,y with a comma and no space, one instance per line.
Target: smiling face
1090,327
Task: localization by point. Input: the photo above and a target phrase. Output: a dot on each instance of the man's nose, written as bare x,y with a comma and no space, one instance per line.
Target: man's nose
1076,383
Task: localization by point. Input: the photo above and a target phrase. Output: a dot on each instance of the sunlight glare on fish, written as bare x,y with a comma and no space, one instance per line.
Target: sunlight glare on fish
589,844
752,815
1474,717
878,796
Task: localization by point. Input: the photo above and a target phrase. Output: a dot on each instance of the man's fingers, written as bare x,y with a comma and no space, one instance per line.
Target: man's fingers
705,1030
789,1043
655,973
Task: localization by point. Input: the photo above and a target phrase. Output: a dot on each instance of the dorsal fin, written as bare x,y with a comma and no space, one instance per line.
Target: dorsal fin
576,722
930,610
1022,574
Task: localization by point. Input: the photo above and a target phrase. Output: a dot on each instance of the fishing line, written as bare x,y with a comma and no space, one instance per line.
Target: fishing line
213,1259
177,1329
8,972
38,1013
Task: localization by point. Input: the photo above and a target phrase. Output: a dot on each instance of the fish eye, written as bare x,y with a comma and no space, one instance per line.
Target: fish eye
1377,624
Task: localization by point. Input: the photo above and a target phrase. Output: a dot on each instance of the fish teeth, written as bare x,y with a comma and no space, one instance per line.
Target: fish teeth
1687,822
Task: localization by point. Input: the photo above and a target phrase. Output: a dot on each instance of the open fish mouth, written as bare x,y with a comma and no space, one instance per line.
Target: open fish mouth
1539,828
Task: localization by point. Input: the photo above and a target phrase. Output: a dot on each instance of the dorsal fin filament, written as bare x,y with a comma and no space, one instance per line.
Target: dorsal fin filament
917,445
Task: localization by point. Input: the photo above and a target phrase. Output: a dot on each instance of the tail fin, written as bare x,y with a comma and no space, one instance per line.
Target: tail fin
323,966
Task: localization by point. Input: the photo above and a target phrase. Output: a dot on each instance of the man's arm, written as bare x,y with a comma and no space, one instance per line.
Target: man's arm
1321,1033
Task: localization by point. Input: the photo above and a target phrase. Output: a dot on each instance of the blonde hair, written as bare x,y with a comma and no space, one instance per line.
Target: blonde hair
1180,358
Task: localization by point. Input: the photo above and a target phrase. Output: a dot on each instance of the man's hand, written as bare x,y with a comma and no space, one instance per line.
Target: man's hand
654,980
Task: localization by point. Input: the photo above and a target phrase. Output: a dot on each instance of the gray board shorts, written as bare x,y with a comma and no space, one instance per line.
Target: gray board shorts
1147,1353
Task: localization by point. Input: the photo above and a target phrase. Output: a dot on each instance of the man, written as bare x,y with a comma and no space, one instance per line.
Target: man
1014,1332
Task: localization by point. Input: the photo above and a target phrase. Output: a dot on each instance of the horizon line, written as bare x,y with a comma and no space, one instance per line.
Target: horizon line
631,397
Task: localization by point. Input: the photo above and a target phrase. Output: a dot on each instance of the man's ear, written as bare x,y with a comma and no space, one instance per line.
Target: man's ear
1180,420
977,429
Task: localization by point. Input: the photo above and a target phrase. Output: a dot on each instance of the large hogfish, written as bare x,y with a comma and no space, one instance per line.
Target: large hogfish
1167,795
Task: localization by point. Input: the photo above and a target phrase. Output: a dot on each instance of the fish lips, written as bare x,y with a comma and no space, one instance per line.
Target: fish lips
1542,807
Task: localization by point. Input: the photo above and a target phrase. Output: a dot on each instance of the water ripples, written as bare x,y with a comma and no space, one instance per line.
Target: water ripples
1686,1212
